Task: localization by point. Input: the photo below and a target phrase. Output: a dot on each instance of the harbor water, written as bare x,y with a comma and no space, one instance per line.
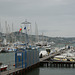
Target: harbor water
9,59
52,71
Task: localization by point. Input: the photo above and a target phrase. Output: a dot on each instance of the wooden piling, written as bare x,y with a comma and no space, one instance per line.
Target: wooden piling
59,63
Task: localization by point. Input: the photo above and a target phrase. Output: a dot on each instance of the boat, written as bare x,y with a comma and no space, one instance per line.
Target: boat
42,54
3,67
48,48
60,58
3,50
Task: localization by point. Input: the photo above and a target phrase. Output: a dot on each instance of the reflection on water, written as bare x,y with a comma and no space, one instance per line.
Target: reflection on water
56,71
52,71
8,59
33,72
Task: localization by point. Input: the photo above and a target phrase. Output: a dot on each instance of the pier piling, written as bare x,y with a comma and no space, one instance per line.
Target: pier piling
66,64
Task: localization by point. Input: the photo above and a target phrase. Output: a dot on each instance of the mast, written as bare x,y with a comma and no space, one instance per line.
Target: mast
31,34
12,33
0,26
0,30
42,36
6,30
12,26
36,33
20,35
9,33
6,27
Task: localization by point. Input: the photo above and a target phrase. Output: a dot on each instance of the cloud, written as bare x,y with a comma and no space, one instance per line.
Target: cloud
34,7
52,16
46,31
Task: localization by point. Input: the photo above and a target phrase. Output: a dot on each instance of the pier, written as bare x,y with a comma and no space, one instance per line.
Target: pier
19,71
58,64
45,61
52,55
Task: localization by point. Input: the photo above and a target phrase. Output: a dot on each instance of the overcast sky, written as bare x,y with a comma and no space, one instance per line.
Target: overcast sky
55,18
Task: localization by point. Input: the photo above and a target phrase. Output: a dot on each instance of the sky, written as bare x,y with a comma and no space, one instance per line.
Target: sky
54,18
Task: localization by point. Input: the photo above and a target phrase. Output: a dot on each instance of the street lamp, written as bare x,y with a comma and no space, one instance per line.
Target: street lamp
26,23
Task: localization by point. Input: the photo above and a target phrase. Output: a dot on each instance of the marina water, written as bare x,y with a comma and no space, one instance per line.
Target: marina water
9,59
52,71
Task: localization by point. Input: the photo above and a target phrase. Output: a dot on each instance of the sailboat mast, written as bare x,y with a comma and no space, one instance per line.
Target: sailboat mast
0,30
12,27
0,26
12,33
36,32
6,30
6,26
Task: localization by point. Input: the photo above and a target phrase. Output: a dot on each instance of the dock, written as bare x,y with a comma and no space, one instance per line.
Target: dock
51,56
58,64
42,61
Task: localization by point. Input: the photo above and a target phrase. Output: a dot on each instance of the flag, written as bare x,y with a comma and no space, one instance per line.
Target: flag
20,30
28,28
24,27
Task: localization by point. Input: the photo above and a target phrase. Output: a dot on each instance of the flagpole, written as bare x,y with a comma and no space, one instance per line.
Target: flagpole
26,37
25,28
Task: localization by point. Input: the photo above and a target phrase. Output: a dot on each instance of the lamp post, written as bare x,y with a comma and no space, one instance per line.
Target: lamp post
26,23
